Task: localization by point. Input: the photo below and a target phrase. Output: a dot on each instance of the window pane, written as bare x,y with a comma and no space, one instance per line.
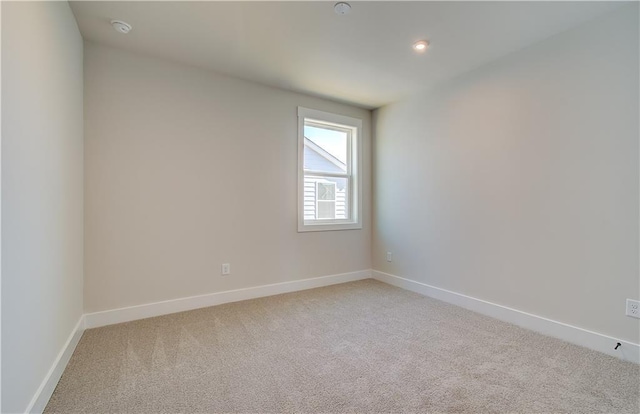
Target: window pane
325,149
327,191
326,209
342,198
326,197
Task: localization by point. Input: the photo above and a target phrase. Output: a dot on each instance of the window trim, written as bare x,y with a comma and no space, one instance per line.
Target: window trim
354,154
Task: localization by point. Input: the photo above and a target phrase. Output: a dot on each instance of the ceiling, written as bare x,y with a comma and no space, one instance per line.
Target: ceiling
364,58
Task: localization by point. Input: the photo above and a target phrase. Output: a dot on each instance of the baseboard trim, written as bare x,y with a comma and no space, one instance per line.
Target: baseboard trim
573,334
110,317
43,394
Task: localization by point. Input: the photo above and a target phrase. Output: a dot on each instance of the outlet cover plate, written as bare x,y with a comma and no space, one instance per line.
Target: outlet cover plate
633,308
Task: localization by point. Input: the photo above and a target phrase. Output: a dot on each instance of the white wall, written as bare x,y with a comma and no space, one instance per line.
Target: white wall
518,182
186,170
42,192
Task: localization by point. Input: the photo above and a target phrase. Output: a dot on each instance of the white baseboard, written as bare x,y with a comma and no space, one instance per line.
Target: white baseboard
48,385
110,317
588,339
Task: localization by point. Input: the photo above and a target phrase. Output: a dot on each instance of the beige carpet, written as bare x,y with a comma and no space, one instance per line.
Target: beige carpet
357,347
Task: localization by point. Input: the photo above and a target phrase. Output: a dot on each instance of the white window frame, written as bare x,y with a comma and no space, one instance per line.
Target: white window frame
353,175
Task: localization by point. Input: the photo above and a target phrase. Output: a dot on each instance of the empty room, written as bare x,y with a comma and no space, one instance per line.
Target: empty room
320,207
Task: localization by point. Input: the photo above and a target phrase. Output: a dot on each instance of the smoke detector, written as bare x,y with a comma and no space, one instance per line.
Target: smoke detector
120,26
342,8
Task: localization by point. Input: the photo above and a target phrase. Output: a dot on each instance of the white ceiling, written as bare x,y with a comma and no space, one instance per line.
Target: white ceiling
364,58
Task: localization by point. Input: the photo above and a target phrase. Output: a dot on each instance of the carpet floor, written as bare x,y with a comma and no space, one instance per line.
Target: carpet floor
356,347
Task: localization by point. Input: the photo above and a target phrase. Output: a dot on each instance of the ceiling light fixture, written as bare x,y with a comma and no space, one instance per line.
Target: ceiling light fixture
342,8
120,26
421,45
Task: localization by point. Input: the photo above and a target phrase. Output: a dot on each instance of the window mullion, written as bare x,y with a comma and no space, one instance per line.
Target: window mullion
325,174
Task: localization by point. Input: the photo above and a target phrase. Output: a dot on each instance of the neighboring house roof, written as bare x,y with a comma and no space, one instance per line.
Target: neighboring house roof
318,159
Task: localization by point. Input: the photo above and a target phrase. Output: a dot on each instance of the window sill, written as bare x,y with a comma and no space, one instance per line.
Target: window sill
303,228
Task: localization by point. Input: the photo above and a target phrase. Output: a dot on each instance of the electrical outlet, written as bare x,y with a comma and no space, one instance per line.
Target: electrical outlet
633,308
226,269
389,256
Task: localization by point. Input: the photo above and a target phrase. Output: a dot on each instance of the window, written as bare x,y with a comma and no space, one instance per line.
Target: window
328,171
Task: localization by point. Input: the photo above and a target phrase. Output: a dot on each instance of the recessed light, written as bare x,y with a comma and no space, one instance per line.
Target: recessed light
421,45
342,8
120,26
